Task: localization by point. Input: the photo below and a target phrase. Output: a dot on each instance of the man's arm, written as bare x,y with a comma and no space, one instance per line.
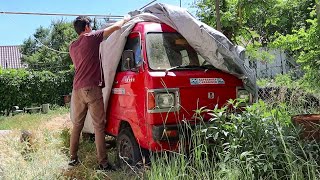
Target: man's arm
116,26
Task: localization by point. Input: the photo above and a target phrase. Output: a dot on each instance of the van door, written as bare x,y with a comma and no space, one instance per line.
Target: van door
127,86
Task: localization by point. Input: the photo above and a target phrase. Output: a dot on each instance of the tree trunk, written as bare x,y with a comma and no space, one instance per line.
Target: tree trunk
218,18
318,11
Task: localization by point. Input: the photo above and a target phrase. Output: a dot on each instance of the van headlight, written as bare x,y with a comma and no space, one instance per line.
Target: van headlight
163,100
244,95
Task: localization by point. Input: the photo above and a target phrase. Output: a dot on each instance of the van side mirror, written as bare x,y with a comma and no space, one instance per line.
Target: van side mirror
128,61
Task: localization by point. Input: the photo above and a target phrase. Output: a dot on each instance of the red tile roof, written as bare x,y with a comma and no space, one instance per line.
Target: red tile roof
10,57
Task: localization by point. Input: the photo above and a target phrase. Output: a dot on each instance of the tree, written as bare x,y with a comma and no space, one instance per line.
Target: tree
292,25
256,21
318,11
218,22
304,46
48,48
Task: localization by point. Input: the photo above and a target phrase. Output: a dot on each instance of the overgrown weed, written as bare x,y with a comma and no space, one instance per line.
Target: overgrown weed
258,143
88,166
47,155
40,160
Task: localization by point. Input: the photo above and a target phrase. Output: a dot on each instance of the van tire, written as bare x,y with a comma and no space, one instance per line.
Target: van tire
128,150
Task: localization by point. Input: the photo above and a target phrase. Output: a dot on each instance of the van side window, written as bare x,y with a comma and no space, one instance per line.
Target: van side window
133,43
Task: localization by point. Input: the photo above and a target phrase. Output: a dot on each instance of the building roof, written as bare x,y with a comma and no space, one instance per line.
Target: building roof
10,57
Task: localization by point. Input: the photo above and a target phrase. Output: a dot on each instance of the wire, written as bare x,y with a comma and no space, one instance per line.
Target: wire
64,14
148,4
61,52
61,14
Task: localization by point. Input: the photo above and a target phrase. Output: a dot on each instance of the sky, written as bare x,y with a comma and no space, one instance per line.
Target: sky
14,29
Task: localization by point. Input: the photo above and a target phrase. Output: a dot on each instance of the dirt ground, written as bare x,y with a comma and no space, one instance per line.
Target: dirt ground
4,132
58,123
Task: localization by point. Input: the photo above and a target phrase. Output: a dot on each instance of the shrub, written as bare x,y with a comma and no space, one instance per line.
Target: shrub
263,139
258,142
23,88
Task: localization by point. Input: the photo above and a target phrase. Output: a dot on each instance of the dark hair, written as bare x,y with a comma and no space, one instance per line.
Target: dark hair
80,23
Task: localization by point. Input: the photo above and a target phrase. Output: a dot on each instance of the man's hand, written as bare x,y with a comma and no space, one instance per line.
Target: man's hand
123,21
116,26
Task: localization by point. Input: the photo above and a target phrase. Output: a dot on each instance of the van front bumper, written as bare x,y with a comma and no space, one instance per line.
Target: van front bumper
175,132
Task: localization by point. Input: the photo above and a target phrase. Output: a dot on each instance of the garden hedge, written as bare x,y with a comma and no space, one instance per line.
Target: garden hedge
21,87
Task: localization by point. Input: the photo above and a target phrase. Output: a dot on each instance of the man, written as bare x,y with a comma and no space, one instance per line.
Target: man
87,87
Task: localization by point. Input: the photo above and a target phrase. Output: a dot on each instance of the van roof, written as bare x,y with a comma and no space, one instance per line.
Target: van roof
146,27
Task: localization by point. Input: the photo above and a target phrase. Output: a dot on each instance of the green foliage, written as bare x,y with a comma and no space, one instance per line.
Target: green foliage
258,143
48,48
259,54
254,23
301,86
262,138
285,80
23,88
248,18
304,45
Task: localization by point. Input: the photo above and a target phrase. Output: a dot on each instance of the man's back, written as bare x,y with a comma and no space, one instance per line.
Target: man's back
84,53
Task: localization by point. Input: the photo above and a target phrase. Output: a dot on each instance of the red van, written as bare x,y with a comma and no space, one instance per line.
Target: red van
160,82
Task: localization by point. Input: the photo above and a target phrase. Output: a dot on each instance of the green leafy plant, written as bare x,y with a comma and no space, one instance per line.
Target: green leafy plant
259,137
255,142
22,87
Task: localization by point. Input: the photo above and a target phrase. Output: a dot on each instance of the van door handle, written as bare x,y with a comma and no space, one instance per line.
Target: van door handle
115,82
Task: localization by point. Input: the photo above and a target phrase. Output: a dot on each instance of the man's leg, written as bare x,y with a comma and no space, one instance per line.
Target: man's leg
96,110
80,109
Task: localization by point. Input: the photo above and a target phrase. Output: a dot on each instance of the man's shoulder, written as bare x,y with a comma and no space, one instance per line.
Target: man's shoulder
73,43
95,33
78,42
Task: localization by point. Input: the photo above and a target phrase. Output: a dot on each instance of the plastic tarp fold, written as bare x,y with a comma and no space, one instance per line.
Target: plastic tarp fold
211,44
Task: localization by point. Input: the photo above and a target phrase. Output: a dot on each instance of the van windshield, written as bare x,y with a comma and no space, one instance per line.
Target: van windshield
172,51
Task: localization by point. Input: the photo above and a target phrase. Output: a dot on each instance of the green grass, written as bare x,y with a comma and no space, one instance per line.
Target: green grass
40,159
87,168
29,121
260,143
46,155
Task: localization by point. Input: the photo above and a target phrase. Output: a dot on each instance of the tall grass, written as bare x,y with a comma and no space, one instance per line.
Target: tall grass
46,154
258,143
88,166
36,155
40,159
29,121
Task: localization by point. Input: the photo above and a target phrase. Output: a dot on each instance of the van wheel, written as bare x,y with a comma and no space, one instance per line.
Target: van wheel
128,150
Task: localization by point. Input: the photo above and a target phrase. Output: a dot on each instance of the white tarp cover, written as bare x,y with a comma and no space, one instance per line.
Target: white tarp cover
211,44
